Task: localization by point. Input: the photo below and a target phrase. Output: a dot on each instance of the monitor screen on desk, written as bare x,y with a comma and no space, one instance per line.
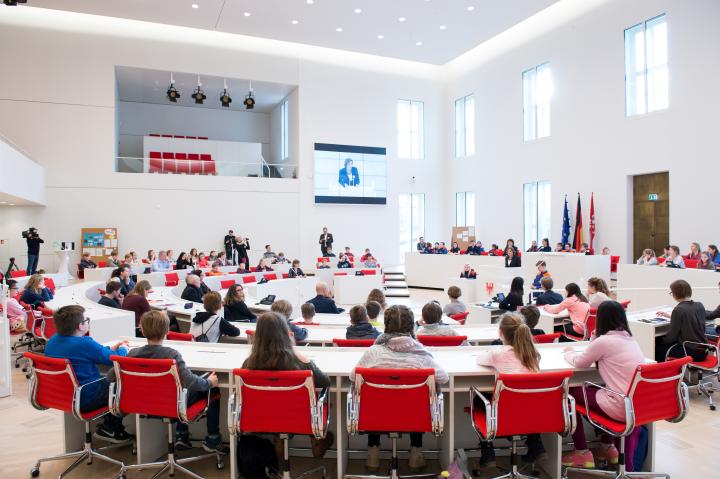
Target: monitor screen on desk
347,174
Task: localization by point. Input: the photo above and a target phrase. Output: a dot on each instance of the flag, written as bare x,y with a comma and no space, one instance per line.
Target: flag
592,220
578,236
566,224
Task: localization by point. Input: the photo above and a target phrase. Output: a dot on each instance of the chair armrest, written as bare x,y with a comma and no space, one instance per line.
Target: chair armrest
231,416
77,395
708,346
351,410
322,402
629,409
489,414
573,414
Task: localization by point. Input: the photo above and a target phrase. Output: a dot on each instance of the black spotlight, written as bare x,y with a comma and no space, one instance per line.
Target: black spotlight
199,96
249,101
225,99
172,93
13,3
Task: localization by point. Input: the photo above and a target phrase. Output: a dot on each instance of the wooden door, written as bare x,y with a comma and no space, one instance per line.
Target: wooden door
651,212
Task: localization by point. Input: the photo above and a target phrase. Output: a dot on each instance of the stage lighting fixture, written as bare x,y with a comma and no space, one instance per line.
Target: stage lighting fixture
172,93
225,99
198,94
249,99
13,3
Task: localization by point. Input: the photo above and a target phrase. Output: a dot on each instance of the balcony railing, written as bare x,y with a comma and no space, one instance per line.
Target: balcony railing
257,168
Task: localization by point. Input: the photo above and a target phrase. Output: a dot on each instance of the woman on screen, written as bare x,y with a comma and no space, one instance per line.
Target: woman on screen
349,174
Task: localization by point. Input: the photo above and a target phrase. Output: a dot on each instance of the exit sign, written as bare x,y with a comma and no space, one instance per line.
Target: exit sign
653,197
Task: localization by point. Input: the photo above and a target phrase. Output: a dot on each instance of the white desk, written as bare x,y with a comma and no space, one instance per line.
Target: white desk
567,268
645,329
482,315
432,270
647,286
352,290
57,279
98,274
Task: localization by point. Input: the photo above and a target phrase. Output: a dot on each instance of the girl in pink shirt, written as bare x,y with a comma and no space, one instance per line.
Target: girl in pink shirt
17,317
577,307
617,356
517,355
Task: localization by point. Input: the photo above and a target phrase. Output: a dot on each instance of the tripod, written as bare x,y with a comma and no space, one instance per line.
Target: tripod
12,266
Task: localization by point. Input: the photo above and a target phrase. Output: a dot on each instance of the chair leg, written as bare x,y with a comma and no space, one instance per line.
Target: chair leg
706,389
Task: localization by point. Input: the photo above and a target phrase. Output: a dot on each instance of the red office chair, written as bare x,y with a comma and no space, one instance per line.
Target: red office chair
705,369
18,273
225,284
394,401
441,340
54,385
547,338
249,279
173,336
156,162
507,413
656,393
590,325
49,284
369,272
80,272
614,260
270,276
101,264
152,388
171,279
279,402
286,275
353,343
250,333
460,317
625,304
340,274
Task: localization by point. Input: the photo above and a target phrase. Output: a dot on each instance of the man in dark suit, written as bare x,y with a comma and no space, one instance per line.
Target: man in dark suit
326,240
421,244
230,245
323,302
348,176
548,296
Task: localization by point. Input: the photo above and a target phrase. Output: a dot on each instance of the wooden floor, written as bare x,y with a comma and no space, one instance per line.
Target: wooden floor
690,449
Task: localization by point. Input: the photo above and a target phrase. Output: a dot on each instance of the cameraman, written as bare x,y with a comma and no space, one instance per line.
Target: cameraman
33,244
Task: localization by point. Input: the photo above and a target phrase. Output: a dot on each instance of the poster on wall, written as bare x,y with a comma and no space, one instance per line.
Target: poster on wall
99,242
346,174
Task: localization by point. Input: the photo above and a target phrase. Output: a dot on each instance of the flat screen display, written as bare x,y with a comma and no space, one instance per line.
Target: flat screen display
347,174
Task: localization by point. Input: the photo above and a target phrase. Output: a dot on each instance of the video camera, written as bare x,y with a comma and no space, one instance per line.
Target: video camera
30,233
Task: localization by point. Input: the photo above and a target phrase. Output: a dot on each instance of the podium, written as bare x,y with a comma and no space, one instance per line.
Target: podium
63,253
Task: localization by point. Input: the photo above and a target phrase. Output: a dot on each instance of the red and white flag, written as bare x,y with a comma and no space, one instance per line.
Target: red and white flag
592,220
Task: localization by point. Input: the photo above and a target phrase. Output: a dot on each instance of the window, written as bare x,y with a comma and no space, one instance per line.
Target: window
410,129
465,126
411,207
537,93
465,208
284,131
536,197
646,67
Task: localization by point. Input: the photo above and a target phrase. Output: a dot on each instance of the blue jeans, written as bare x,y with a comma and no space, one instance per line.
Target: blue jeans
32,263
99,400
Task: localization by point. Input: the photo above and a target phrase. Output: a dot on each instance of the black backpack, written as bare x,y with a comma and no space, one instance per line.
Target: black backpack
256,458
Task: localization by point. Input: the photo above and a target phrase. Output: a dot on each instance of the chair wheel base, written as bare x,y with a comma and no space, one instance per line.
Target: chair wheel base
220,465
35,472
712,407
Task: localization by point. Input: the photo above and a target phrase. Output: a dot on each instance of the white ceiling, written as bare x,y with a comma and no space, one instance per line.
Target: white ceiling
317,22
150,86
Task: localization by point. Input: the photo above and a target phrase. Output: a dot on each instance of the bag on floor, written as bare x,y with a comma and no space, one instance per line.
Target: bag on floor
256,458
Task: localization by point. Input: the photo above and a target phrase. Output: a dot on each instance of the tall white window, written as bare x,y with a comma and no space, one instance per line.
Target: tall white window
465,208
537,93
465,126
536,207
410,129
284,137
411,207
646,67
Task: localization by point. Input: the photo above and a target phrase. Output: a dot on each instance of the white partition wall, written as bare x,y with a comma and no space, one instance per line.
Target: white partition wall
567,268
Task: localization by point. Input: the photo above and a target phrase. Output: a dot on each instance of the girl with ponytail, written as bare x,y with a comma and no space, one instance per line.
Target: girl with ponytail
517,355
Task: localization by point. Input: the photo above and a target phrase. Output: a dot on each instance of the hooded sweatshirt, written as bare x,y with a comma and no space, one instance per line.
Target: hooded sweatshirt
400,351
361,331
212,325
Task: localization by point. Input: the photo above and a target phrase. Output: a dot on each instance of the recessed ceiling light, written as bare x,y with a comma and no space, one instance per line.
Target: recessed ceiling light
470,8
357,10
3,202
195,5
442,27
380,37
401,19
11,204
310,2
338,29
294,22
247,14
418,43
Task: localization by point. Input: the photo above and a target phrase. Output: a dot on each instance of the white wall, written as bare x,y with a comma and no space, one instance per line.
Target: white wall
60,107
593,146
20,177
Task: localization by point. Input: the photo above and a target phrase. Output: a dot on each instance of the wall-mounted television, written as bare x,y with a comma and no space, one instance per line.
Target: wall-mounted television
346,174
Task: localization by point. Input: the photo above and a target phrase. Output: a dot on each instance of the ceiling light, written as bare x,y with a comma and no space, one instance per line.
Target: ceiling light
195,5
380,37
247,14
401,19
418,43
225,99
338,29
11,204
172,93
249,99
470,8
357,10
198,94
310,2
294,22
442,27
3,202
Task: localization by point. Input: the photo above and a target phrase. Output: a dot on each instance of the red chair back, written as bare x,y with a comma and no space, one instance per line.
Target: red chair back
18,273
270,276
49,284
590,323
546,338
547,392
53,383
368,272
460,317
249,279
441,340
253,269
102,264
614,260
625,304
658,393
340,274
250,333
225,284
286,275
171,279
173,336
395,400
353,343
323,259
278,402
691,263
147,386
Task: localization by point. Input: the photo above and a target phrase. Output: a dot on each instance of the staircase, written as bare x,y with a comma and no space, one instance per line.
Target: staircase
395,285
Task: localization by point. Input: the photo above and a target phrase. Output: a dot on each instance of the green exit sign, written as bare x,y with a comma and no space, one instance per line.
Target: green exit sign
653,197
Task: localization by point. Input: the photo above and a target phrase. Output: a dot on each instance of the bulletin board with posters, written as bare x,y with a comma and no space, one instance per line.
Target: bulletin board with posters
99,242
463,236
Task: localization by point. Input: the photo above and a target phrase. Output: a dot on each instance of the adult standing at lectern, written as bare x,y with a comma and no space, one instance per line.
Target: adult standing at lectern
229,242
326,240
